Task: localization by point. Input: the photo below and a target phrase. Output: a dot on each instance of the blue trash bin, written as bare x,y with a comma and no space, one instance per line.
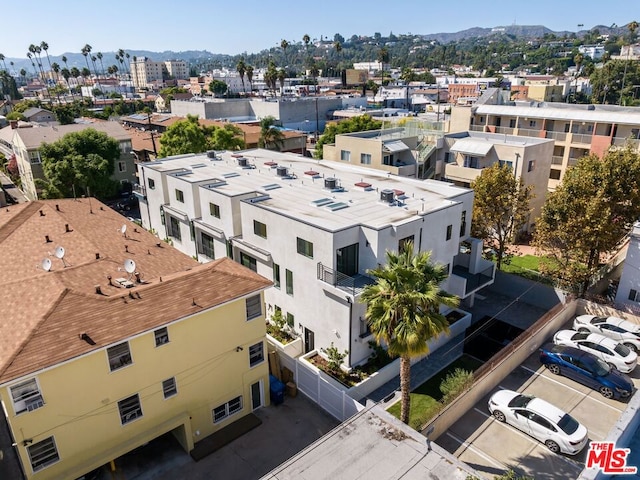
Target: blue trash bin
276,390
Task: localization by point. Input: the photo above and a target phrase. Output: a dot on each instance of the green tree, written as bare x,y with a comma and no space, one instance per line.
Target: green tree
500,208
184,136
81,163
360,123
403,309
587,216
218,87
229,137
271,137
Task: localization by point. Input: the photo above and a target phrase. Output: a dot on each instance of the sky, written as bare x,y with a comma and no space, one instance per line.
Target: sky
254,25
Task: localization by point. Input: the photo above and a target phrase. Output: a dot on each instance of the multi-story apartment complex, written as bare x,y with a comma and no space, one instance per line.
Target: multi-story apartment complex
114,339
403,151
576,130
24,144
465,154
314,227
145,71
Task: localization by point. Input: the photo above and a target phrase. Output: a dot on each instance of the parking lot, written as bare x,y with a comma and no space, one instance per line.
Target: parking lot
492,447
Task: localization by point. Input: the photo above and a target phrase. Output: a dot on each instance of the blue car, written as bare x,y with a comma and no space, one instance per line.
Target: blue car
587,369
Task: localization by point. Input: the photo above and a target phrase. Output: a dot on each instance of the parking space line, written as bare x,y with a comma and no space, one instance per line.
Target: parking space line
477,451
551,379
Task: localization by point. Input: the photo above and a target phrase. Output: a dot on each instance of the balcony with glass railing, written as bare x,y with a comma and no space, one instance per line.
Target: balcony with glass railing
558,136
556,160
582,138
527,132
140,191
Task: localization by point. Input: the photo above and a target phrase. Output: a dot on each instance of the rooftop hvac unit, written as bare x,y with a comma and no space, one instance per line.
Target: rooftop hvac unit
387,196
211,154
281,171
242,162
330,183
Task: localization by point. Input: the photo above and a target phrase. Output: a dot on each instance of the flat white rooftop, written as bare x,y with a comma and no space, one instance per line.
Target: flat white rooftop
355,198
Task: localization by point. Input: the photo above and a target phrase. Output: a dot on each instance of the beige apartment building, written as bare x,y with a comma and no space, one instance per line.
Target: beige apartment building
577,130
464,155
145,71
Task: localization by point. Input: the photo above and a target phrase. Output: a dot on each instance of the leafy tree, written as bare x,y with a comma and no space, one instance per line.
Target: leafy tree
500,207
218,87
360,123
271,137
403,309
83,161
229,137
185,136
588,214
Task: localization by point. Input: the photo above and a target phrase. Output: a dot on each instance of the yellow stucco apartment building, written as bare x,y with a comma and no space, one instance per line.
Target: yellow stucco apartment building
110,338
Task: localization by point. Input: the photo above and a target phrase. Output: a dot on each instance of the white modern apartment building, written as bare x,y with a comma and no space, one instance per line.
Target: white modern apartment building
628,293
314,227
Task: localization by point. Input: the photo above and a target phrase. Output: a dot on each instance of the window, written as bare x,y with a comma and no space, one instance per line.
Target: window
532,123
365,330
512,123
506,163
532,165
471,162
365,158
448,157
345,155
260,229
152,183
403,242
227,409
276,275
119,356
291,320
387,160
206,245
256,354
179,196
122,167
43,454
26,396
169,388
633,295
253,307
34,157
289,280
130,409
304,247
554,174
449,230
463,224
214,210
248,261
174,228
162,336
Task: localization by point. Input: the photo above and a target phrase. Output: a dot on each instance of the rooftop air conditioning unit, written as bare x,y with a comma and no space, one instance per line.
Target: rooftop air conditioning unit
281,171
387,196
242,162
330,183
211,154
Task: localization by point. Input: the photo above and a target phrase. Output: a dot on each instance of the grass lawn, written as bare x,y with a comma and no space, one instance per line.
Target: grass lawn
425,400
527,266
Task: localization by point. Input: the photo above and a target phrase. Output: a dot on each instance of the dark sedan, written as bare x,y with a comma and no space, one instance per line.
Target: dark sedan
586,369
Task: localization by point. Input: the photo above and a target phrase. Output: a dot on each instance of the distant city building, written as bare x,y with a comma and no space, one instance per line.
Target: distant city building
145,71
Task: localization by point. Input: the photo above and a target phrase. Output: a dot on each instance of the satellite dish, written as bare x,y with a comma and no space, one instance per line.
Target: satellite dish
129,265
46,264
123,229
59,253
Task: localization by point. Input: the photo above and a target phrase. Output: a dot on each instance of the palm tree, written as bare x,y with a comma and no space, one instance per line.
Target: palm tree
403,309
383,57
250,77
86,50
306,39
30,57
55,68
75,73
271,137
578,59
99,56
2,57
241,68
632,26
337,45
281,78
284,44
66,74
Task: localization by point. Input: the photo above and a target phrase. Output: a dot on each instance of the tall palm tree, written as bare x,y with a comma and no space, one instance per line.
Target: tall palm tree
55,68
282,75
306,39
403,309
241,67
30,57
284,45
383,57
86,50
99,56
75,73
578,59
250,77
66,74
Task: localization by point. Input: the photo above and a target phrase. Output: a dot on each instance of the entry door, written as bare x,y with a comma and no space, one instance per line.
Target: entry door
256,395
309,340
347,260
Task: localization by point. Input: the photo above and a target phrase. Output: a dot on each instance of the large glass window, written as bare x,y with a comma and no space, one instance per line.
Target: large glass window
365,158
248,261
206,245
289,280
174,228
345,155
260,229
214,210
305,247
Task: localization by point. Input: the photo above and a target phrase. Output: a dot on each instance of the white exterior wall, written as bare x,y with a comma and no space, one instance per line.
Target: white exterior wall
630,279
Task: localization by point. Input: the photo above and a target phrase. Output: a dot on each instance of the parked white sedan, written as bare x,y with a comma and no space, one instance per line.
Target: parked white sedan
558,430
615,354
623,331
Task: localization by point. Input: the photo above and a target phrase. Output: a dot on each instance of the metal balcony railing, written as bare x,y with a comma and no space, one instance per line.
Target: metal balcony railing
352,285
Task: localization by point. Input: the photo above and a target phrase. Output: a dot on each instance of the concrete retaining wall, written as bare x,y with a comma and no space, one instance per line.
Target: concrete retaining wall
527,291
